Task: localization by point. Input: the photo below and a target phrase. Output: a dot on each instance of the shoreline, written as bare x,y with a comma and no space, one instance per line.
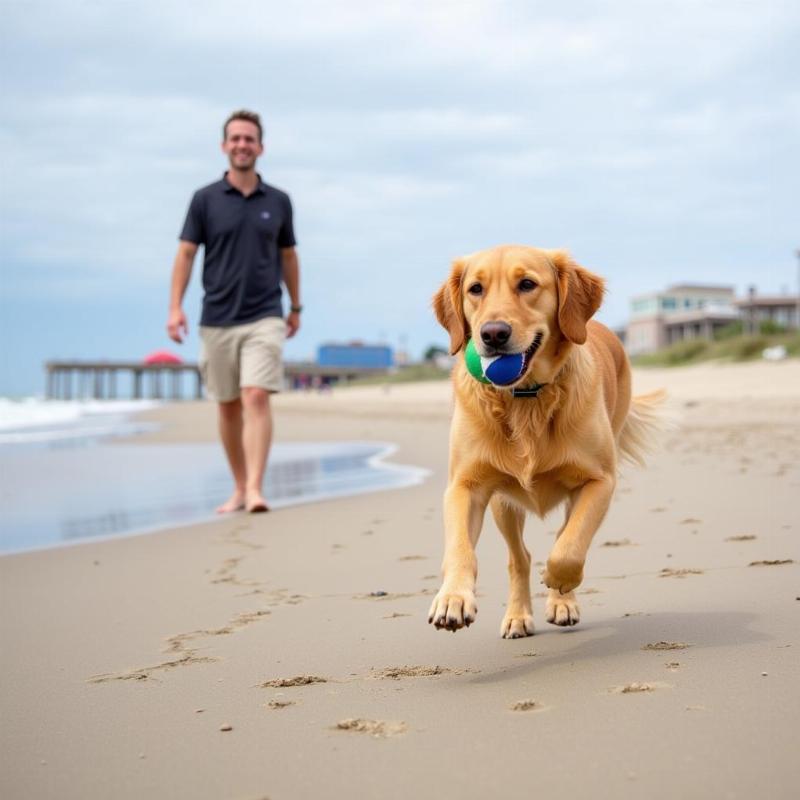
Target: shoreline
288,625
300,474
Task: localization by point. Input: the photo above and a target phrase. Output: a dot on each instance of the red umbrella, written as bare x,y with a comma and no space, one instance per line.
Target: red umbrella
162,357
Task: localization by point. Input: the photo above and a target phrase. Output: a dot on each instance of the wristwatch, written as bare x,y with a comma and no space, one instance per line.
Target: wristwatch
296,309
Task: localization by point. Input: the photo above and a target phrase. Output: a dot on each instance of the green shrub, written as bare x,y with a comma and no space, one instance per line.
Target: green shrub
729,348
770,328
676,354
729,331
408,374
743,348
792,344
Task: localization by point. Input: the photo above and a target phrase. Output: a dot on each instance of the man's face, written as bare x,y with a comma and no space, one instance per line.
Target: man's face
241,144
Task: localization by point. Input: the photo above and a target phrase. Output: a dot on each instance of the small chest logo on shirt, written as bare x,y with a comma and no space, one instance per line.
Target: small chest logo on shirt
265,215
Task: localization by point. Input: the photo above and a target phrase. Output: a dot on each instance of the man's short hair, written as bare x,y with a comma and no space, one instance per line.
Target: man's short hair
247,116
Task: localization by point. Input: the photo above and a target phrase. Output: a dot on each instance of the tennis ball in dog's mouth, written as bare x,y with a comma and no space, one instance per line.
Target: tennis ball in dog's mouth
499,370
473,363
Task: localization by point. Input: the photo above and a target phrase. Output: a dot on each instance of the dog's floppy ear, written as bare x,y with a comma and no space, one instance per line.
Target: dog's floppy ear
449,310
580,293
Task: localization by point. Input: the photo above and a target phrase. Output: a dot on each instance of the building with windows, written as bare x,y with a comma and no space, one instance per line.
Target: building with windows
356,355
782,311
683,311
340,363
688,311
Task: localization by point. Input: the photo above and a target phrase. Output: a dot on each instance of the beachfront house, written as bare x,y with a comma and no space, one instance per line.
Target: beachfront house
683,311
688,311
781,311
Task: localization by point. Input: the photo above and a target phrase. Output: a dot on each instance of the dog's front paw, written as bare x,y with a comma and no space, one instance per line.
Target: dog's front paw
564,575
516,625
453,609
562,609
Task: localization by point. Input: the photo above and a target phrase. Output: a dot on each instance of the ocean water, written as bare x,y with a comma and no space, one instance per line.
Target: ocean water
31,420
63,478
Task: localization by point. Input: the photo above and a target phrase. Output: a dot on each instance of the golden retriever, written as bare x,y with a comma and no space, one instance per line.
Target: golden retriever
515,451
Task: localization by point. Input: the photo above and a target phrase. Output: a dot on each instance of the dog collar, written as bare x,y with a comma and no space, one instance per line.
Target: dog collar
531,391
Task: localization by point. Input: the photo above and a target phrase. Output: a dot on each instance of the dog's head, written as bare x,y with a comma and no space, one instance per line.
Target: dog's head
516,299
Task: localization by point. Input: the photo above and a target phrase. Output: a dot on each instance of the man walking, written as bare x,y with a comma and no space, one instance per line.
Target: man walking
245,226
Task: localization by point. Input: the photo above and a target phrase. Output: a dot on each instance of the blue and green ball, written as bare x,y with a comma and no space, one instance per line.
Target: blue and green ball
497,370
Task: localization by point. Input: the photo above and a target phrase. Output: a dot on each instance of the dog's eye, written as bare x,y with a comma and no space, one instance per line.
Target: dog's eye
526,285
475,289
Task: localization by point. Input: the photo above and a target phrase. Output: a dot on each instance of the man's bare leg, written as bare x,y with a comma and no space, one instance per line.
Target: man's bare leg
257,439
230,431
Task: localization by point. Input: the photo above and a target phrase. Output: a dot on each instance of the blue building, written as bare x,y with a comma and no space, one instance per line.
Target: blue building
355,355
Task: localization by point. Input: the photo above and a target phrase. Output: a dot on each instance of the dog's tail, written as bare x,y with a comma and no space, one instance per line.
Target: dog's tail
644,425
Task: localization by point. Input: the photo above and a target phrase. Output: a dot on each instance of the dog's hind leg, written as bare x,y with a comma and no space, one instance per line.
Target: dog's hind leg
518,620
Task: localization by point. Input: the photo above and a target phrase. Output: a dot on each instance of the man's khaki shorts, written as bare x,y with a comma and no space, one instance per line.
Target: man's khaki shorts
242,355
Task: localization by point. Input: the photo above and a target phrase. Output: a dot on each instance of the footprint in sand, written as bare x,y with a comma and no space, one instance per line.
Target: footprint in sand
618,543
297,680
774,563
279,704
526,705
227,574
638,688
178,645
376,728
396,673
678,573
666,646
143,673
233,538
382,595
744,537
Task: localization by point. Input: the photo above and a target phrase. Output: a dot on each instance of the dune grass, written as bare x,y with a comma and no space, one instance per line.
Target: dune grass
732,348
407,374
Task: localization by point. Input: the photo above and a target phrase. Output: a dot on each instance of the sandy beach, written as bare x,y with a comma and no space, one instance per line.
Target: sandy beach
288,655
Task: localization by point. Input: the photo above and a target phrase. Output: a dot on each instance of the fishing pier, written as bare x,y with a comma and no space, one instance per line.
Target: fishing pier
110,380
104,380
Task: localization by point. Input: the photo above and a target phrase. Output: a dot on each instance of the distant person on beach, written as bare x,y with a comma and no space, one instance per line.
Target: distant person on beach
246,228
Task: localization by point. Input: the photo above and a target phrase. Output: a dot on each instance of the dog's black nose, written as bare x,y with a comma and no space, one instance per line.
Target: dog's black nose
495,334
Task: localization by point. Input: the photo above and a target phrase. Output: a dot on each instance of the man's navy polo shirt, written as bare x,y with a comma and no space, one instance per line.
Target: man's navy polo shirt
242,238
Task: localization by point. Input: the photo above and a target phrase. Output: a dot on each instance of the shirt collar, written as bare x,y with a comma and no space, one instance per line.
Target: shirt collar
261,188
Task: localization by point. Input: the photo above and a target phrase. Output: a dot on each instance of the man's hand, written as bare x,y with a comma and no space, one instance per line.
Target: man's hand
292,324
177,326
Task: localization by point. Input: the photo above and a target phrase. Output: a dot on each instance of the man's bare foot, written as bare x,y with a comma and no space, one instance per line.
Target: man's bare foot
234,503
255,502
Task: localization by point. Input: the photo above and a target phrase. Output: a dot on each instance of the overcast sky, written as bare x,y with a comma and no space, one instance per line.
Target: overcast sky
657,141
